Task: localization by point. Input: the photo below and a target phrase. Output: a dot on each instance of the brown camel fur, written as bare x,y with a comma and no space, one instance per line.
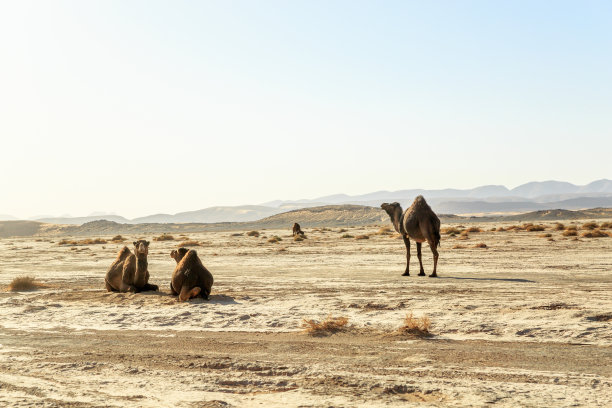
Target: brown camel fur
297,230
190,278
420,223
129,272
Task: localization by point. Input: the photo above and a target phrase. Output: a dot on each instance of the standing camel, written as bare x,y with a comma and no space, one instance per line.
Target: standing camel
420,223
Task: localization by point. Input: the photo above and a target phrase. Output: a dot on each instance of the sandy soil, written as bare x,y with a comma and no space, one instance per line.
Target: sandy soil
524,322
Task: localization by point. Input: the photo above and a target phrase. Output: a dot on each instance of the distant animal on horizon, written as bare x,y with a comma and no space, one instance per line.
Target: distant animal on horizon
297,230
130,271
190,278
420,223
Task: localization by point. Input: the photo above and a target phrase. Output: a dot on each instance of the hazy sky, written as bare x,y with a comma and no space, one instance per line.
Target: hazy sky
139,107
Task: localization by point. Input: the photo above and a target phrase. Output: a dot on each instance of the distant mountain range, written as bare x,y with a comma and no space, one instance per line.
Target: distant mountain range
490,199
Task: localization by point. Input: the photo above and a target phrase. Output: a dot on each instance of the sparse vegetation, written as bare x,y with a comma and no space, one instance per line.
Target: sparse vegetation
189,243
87,241
341,230
23,283
590,225
327,326
384,231
274,239
559,226
416,326
545,235
570,233
596,233
605,225
473,229
481,245
253,233
164,237
362,237
117,238
533,227
451,231
346,236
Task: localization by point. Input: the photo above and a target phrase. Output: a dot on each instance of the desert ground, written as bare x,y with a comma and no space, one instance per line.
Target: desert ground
523,320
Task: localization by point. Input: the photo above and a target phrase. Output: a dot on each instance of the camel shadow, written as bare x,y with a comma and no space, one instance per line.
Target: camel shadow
489,279
216,299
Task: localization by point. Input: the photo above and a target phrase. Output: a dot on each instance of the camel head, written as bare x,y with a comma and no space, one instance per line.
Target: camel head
395,213
141,247
178,254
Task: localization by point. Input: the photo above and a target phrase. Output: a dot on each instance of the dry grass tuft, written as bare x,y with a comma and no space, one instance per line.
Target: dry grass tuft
451,231
253,233
164,237
346,236
570,233
559,227
534,227
327,326
384,231
117,238
190,243
501,229
362,237
481,245
274,239
88,241
416,326
571,228
590,225
341,230
545,235
596,233
473,229
23,283
605,225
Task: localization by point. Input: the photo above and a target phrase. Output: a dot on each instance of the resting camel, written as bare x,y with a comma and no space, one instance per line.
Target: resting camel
190,278
129,272
297,230
420,223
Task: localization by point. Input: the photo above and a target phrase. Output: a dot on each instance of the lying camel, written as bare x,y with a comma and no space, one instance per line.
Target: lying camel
420,223
129,272
297,230
190,278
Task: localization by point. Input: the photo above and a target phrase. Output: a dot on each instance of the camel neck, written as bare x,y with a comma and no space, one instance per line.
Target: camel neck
141,264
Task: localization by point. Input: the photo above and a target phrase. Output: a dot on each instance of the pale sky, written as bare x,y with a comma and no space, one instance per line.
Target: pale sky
141,107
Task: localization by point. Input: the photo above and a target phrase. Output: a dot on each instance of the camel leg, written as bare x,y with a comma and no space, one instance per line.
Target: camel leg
189,294
434,250
149,287
109,288
172,291
422,271
407,243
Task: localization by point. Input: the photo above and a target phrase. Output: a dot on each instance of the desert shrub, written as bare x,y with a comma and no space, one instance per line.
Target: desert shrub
570,233
596,233
329,325
545,235
67,242
415,326
473,229
534,227
451,231
559,227
92,241
590,225
571,227
237,234
493,229
362,237
346,236
22,283
341,230
253,233
384,231
501,229
164,237
481,245
274,239
189,243
117,238
605,225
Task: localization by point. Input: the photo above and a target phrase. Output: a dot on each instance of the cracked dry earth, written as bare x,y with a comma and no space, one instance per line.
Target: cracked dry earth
526,322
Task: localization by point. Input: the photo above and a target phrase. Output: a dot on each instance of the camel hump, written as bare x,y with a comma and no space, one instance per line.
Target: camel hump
420,199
